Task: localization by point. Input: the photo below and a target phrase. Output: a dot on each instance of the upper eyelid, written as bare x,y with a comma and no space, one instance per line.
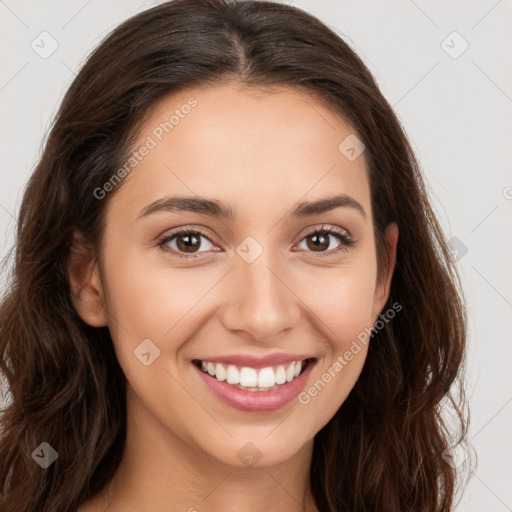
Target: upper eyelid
325,227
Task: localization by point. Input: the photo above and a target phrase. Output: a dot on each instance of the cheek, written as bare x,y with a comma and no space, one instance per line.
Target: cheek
150,300
340,299
350,311
158,303
341,304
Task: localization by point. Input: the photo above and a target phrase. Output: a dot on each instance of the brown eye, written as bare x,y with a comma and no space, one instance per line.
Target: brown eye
320,240
186,243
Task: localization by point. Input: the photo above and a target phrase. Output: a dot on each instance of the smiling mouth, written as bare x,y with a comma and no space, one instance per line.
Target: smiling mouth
252,379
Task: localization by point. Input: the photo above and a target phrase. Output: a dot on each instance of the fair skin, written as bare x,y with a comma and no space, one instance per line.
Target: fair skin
261,153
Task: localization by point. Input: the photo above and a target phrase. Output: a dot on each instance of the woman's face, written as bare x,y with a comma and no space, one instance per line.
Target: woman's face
257,284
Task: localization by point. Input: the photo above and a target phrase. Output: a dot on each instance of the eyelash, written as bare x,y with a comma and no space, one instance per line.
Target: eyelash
346,241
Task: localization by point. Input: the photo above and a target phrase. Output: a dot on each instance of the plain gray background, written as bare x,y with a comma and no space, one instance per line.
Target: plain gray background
455,104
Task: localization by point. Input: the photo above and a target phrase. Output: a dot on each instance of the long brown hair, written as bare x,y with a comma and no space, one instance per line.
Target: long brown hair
386,447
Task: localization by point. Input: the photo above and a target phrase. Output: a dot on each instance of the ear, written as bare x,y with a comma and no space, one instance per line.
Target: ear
85,282
384,283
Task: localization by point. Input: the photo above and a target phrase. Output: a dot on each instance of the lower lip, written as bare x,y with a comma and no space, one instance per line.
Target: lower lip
256,401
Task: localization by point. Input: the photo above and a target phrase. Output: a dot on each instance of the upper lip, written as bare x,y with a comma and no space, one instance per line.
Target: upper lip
256,361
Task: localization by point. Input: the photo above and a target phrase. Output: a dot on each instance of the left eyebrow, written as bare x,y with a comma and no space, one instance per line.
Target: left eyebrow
214,208
325,205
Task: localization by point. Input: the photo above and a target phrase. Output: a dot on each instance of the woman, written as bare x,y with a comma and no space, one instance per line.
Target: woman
230,290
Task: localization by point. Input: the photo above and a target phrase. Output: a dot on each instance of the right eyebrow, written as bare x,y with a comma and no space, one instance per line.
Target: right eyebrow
194,204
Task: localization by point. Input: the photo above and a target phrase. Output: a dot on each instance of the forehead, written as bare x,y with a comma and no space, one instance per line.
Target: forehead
275,145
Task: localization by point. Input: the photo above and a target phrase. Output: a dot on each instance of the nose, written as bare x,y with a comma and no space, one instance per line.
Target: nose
260,302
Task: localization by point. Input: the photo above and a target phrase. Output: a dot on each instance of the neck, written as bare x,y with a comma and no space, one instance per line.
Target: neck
161,471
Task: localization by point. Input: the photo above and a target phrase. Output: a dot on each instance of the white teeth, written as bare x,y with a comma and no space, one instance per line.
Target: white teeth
290,373
251,379
232,375
266,378
220,372
280,375
248,377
